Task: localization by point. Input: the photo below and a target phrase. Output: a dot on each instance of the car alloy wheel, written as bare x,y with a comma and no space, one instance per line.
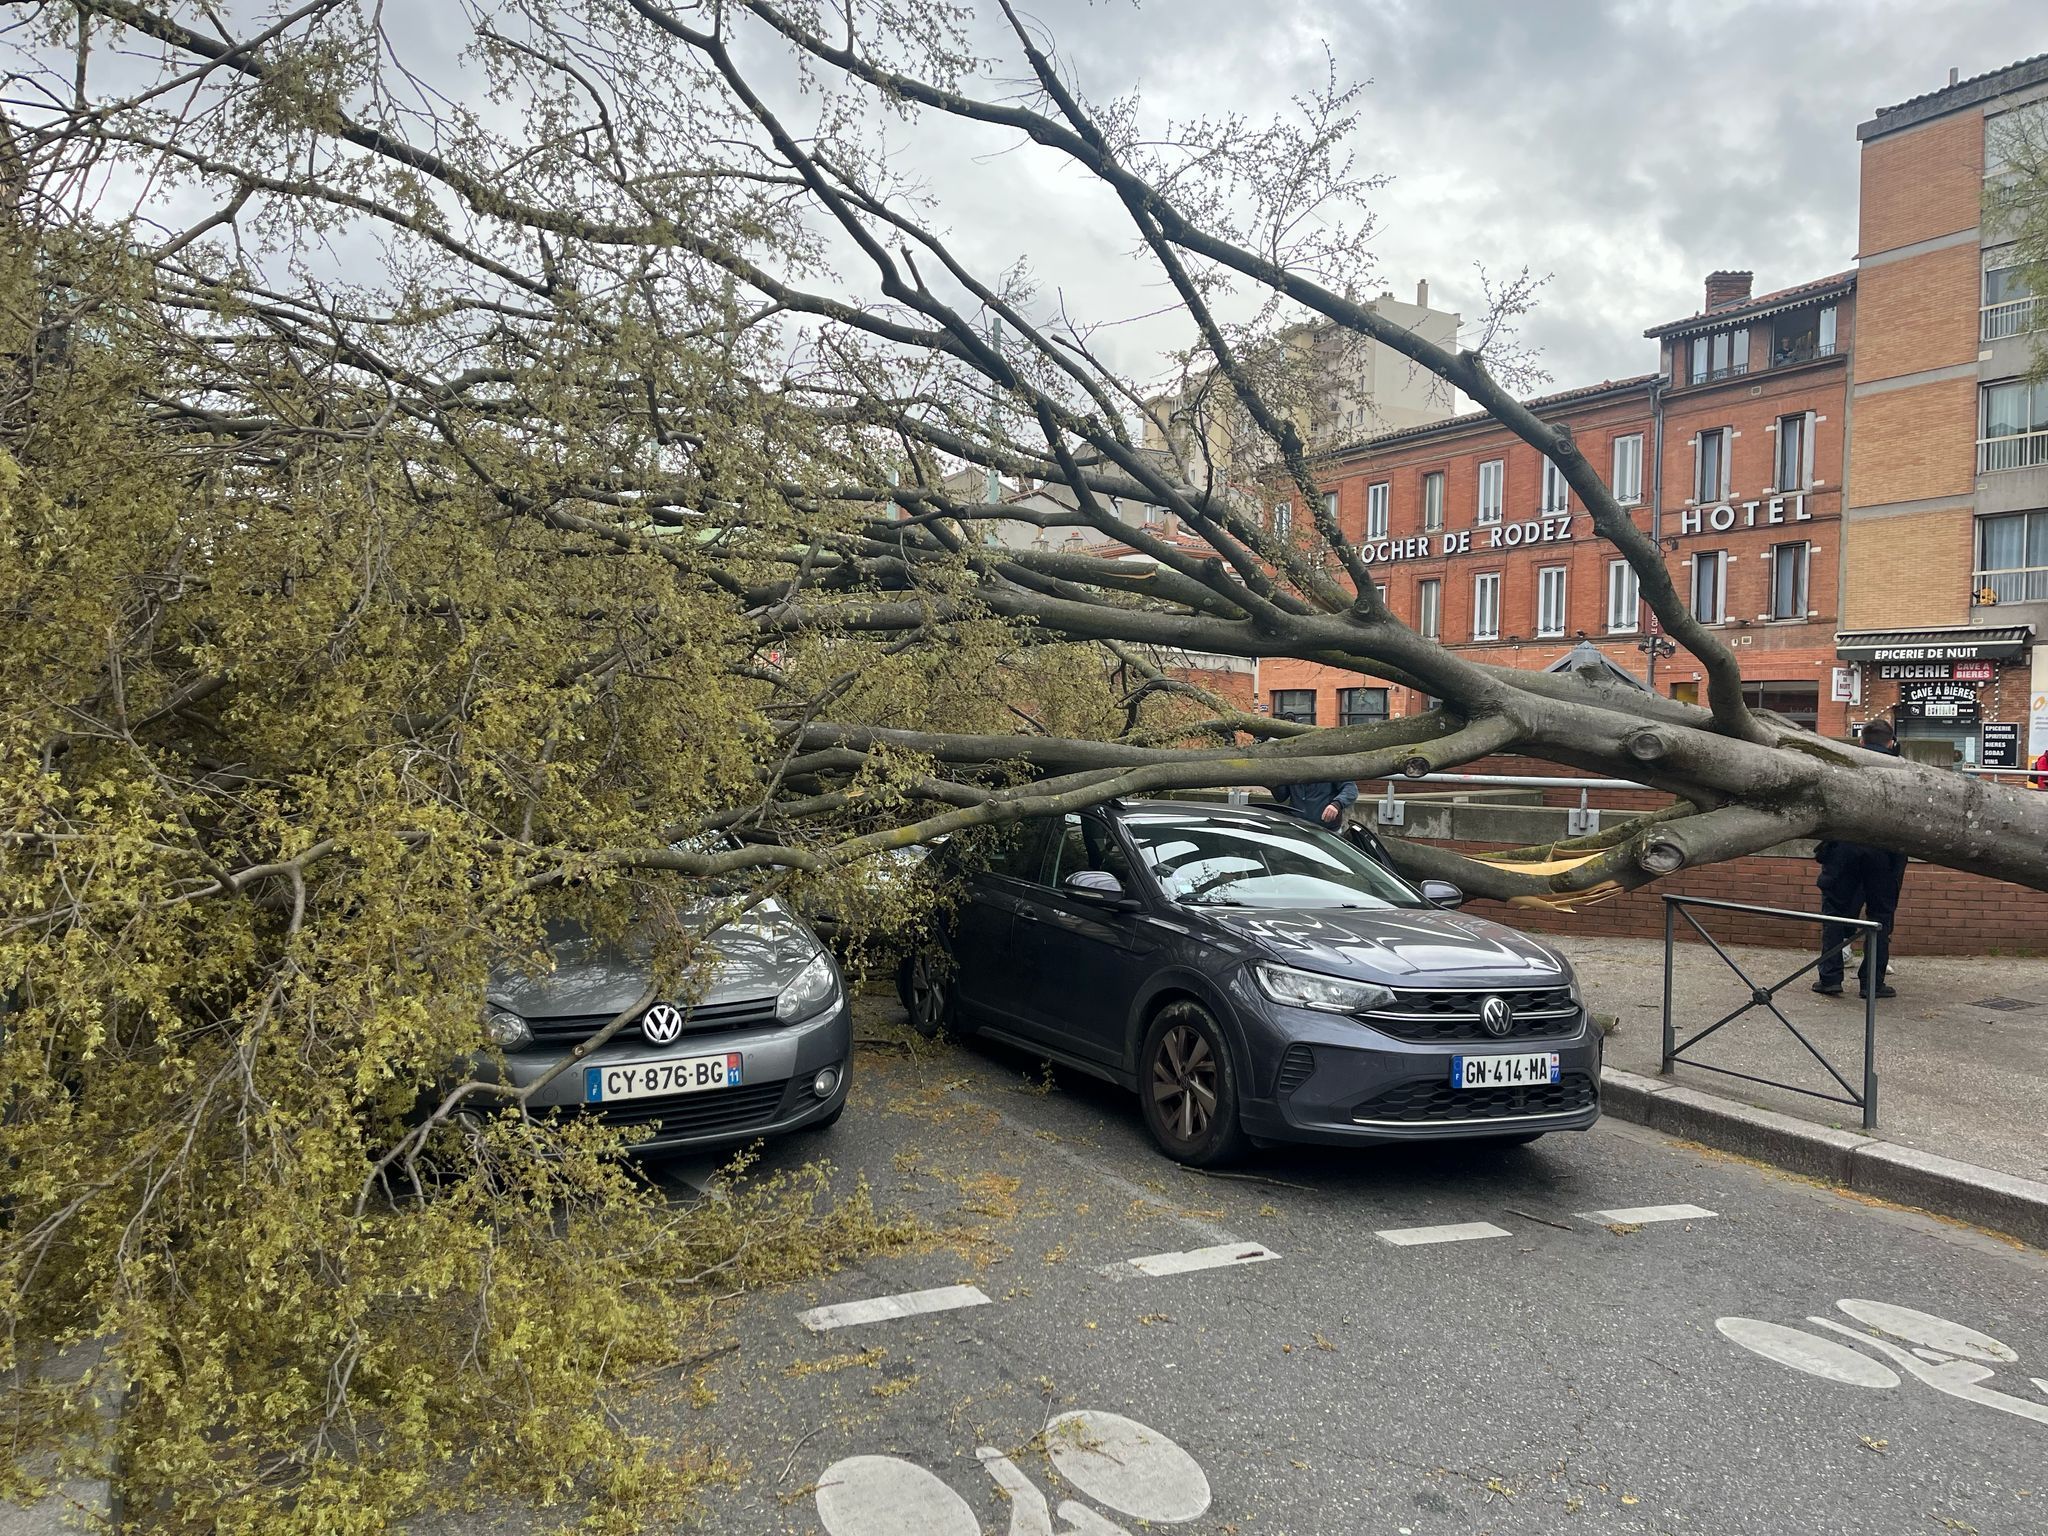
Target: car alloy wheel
926,993
1188,1087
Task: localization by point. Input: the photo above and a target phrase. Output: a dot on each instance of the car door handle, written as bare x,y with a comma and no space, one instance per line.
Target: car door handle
1029,915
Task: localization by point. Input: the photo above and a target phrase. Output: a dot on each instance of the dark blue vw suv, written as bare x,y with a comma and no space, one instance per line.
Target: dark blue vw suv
1253,977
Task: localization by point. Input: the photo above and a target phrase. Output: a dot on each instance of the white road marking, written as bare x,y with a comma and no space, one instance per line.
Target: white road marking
846,1314
1221,1256
1129,1466
1456,1232
1806,1352
885,1496
1642,1215
1925,1328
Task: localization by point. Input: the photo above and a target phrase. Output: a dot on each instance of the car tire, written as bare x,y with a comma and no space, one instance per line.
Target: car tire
925,983
1187,1087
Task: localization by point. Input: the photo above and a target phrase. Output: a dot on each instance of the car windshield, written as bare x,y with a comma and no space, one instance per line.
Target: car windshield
1226,862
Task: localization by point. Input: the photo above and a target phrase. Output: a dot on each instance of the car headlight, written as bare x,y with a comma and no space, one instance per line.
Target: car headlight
809,990
1312,989
506,1029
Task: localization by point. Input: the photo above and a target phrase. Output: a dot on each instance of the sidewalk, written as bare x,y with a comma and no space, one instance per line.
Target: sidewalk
1955,1077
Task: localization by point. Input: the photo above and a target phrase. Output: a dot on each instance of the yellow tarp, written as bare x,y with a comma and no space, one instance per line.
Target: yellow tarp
1562,901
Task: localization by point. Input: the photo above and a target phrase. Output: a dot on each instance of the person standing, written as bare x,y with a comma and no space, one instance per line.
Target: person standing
1319,802
1859,880
2040,767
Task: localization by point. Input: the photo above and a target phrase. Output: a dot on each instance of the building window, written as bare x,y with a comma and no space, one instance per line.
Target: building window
1296,704
1486,606
1802,336
1361,706
1550,600
1493,475
1283,518
1712,475
1432,501
1723,355
1429,607
1795,453
1155,517
2014,429
1330,506
1710,586
1797,702
1788,580
1380,591
1628,469
2009,310
2012,558
1376,510
1557,491
1621,598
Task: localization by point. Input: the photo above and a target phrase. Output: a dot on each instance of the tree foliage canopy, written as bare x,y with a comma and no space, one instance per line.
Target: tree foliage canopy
446,476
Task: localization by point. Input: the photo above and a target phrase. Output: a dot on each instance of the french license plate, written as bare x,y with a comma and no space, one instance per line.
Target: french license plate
656,1079
1504,1071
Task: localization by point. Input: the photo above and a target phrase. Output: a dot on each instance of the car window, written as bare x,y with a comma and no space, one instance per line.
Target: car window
1017,850
1230,863
1086,842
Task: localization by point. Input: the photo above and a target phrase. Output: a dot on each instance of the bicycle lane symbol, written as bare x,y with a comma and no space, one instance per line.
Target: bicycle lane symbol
1948,1356
1118,1462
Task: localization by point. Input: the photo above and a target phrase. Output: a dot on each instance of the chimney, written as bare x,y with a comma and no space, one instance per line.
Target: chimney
1952,72
1422,293
1727,288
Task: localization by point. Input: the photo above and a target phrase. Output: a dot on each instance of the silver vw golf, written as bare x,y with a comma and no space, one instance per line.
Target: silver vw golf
764,1049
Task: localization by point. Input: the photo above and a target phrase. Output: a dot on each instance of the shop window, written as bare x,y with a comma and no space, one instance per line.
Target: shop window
1797,702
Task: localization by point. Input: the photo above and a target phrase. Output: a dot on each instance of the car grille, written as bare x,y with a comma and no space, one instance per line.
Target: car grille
1434,1100
747,1013
1296,1068
1541,1013
723,1111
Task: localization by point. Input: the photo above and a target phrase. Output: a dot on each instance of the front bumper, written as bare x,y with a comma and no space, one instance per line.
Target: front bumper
1323,1078
775,1093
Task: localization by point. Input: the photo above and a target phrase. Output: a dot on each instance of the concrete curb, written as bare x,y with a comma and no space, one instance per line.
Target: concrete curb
1984,1197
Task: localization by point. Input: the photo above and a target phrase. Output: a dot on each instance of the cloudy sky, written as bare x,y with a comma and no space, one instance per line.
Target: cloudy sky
1623,147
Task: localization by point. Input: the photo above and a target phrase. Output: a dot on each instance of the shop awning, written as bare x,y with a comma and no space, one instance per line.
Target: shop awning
1952,642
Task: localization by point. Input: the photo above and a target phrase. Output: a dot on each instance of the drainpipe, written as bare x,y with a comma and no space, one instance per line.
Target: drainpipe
1657,487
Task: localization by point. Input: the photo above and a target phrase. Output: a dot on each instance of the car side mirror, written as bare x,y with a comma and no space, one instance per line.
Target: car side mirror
1097,885
1441,893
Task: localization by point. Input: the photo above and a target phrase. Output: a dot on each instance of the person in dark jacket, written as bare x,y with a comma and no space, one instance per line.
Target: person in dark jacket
1859,880
1318,802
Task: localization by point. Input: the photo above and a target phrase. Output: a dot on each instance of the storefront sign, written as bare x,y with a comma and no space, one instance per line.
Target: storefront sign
1745,514
1847,686
1535,530
2001,745
1974,671
1916,671
1939,701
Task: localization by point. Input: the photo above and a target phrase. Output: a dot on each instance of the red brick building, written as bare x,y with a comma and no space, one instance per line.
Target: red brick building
1732,454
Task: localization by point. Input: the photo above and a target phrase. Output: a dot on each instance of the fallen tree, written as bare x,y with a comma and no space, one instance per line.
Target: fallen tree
444,483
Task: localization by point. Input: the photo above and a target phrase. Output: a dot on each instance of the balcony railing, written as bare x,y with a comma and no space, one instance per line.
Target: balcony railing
2015,450
2015,317
2010,584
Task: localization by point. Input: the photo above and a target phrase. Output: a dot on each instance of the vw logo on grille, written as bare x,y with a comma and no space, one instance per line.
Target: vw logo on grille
1498,1017
662,1024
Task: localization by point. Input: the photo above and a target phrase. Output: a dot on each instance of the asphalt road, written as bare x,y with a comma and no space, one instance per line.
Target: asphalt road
1317,1365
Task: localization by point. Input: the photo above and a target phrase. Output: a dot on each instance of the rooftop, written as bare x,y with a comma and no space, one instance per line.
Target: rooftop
1953,98
1761,305
1585,392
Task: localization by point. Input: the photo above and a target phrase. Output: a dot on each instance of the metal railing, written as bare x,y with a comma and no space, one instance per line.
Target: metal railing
1582,822
2015,450
2015,317
2009,584
1766,997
